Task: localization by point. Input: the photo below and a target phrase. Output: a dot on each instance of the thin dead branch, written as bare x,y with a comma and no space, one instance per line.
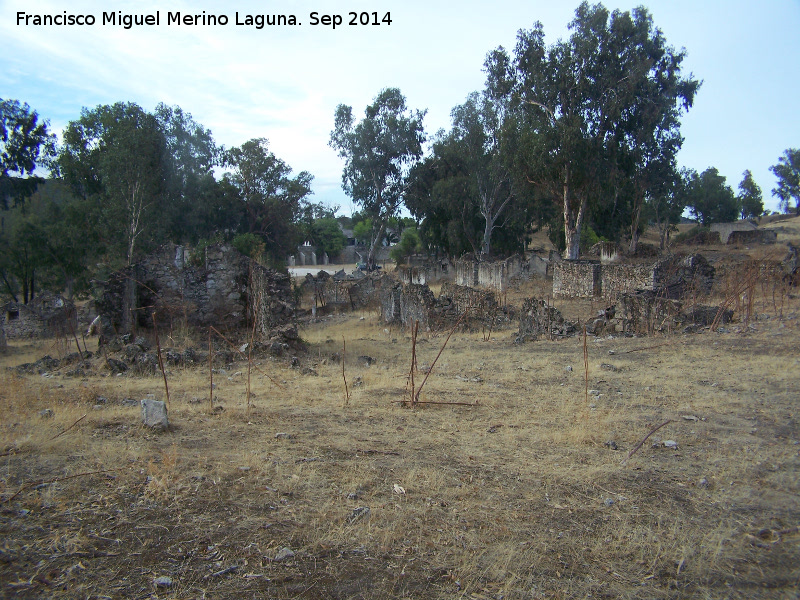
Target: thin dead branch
160,359
430,370
640,444
68,428
346,390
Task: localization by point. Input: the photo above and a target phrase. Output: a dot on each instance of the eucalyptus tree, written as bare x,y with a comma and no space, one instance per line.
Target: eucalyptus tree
378,151
594,110
788,173
25,144
751,201
272,201
113,157
710,199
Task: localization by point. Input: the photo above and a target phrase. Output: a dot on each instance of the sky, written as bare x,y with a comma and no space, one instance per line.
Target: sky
284,83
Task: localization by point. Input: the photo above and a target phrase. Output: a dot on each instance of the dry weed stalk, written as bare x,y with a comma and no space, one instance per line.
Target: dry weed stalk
210,373
414,331
250,353
585,366
232,345
433,364
346,390
160,359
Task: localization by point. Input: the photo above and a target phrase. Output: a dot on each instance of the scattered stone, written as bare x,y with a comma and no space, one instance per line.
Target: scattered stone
609,367
283,436
608,502
671,444
611,445
98,407
284,554
129,402
154,414
116,366
595,393
365,361
568,368
703,483
46,413
101,400
308,371
295,362
163,581
689,418
494,428
244,469
358,382
358,513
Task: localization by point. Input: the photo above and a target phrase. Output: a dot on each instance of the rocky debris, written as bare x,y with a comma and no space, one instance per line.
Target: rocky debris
43,365
611,445
358,513
365,361
537,318
790,265
163,581
154,414
284,553
46,413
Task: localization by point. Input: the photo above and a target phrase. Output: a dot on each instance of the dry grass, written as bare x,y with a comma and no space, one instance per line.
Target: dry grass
516,497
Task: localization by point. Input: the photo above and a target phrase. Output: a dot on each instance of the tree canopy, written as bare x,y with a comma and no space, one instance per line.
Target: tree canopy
378,151
788,173
25,144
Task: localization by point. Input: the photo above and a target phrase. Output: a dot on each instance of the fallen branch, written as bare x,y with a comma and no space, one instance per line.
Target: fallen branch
68,428
160,359
346,391
640,444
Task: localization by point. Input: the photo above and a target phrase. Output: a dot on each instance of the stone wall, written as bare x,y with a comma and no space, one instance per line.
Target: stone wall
725,229
428,272
756,236
617,279
577,279
495,275
47,315
216,290
404,303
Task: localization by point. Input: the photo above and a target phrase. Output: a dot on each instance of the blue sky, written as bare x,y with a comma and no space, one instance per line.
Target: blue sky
284,83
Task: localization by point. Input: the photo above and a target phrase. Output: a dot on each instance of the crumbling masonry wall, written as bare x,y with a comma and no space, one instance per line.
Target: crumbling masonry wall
47,315
577,279
495,275
217,291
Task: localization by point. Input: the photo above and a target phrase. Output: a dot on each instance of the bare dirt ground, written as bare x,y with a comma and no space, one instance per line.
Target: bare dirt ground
520,491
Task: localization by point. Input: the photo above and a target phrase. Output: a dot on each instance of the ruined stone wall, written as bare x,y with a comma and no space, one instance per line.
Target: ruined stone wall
756,236
538,317
404,303
496,275
217,292
428,272
466,272
577,279
726,229
47,315
617,279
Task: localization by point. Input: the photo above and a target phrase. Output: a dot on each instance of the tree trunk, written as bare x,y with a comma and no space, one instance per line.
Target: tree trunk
572,223
637,213
486,246
128,305
375,244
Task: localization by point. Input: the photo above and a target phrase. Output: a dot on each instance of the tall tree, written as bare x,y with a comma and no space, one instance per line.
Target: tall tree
665,205
788,173
595,109
114,156
25,143
710,199
750,200
273,201
378,152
